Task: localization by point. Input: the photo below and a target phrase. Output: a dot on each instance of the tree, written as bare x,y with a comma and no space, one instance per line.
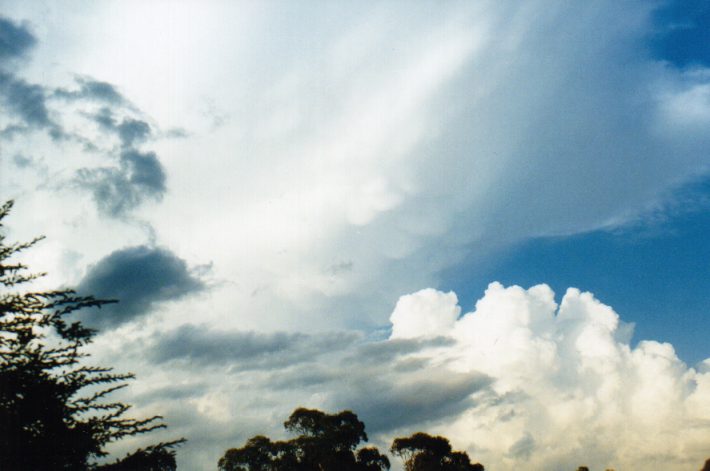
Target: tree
423,452
326,442
54,414
707,465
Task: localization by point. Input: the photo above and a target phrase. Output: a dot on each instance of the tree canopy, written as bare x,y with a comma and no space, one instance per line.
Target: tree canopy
423,452
325,442
54,411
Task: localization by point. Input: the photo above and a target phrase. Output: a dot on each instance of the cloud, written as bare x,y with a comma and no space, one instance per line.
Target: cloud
386,146
117,190
93,90
136,175
388,400
139,278
570,384
244,350
519,381
27,103
15,40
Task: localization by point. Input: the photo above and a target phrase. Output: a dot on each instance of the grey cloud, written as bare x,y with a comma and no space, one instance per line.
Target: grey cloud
15,40
390,401
27,103
176,133
104,118
522,448
21,161
116,190
244,350
138,277
302,377
93,90
137,177
130,131
24,102
389,350
174,392
133,131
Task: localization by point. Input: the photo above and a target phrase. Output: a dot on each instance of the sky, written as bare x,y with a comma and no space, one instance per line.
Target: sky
487,220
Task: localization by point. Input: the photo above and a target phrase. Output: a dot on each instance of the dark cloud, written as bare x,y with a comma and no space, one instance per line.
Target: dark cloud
92,90
133,131
26,103
130,131
15,39
117,190
245,350
389,400
104,118
138,277
389,350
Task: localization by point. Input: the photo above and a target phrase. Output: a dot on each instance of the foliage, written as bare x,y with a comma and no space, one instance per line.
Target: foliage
54,414
325,443
422,452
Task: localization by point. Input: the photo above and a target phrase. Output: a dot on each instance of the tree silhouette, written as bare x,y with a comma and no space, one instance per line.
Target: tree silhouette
54,414
707,465
422,452
326,442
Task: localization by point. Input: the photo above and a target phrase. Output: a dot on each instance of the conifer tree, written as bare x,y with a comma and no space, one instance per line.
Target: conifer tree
54,408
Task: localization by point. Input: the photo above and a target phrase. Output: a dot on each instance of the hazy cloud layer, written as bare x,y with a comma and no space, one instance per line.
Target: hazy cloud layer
139,277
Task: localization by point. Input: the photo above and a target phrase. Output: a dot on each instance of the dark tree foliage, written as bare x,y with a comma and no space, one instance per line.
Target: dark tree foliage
325,442
422,452
54,414
707,465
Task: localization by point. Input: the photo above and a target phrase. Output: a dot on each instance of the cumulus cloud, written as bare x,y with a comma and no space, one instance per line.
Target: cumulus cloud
570,385
139,278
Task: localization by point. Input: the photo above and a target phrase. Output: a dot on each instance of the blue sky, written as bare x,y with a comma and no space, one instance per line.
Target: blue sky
683,35
443,216
654,271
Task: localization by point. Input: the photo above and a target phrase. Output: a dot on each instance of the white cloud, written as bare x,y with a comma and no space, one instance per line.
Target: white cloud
569,390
